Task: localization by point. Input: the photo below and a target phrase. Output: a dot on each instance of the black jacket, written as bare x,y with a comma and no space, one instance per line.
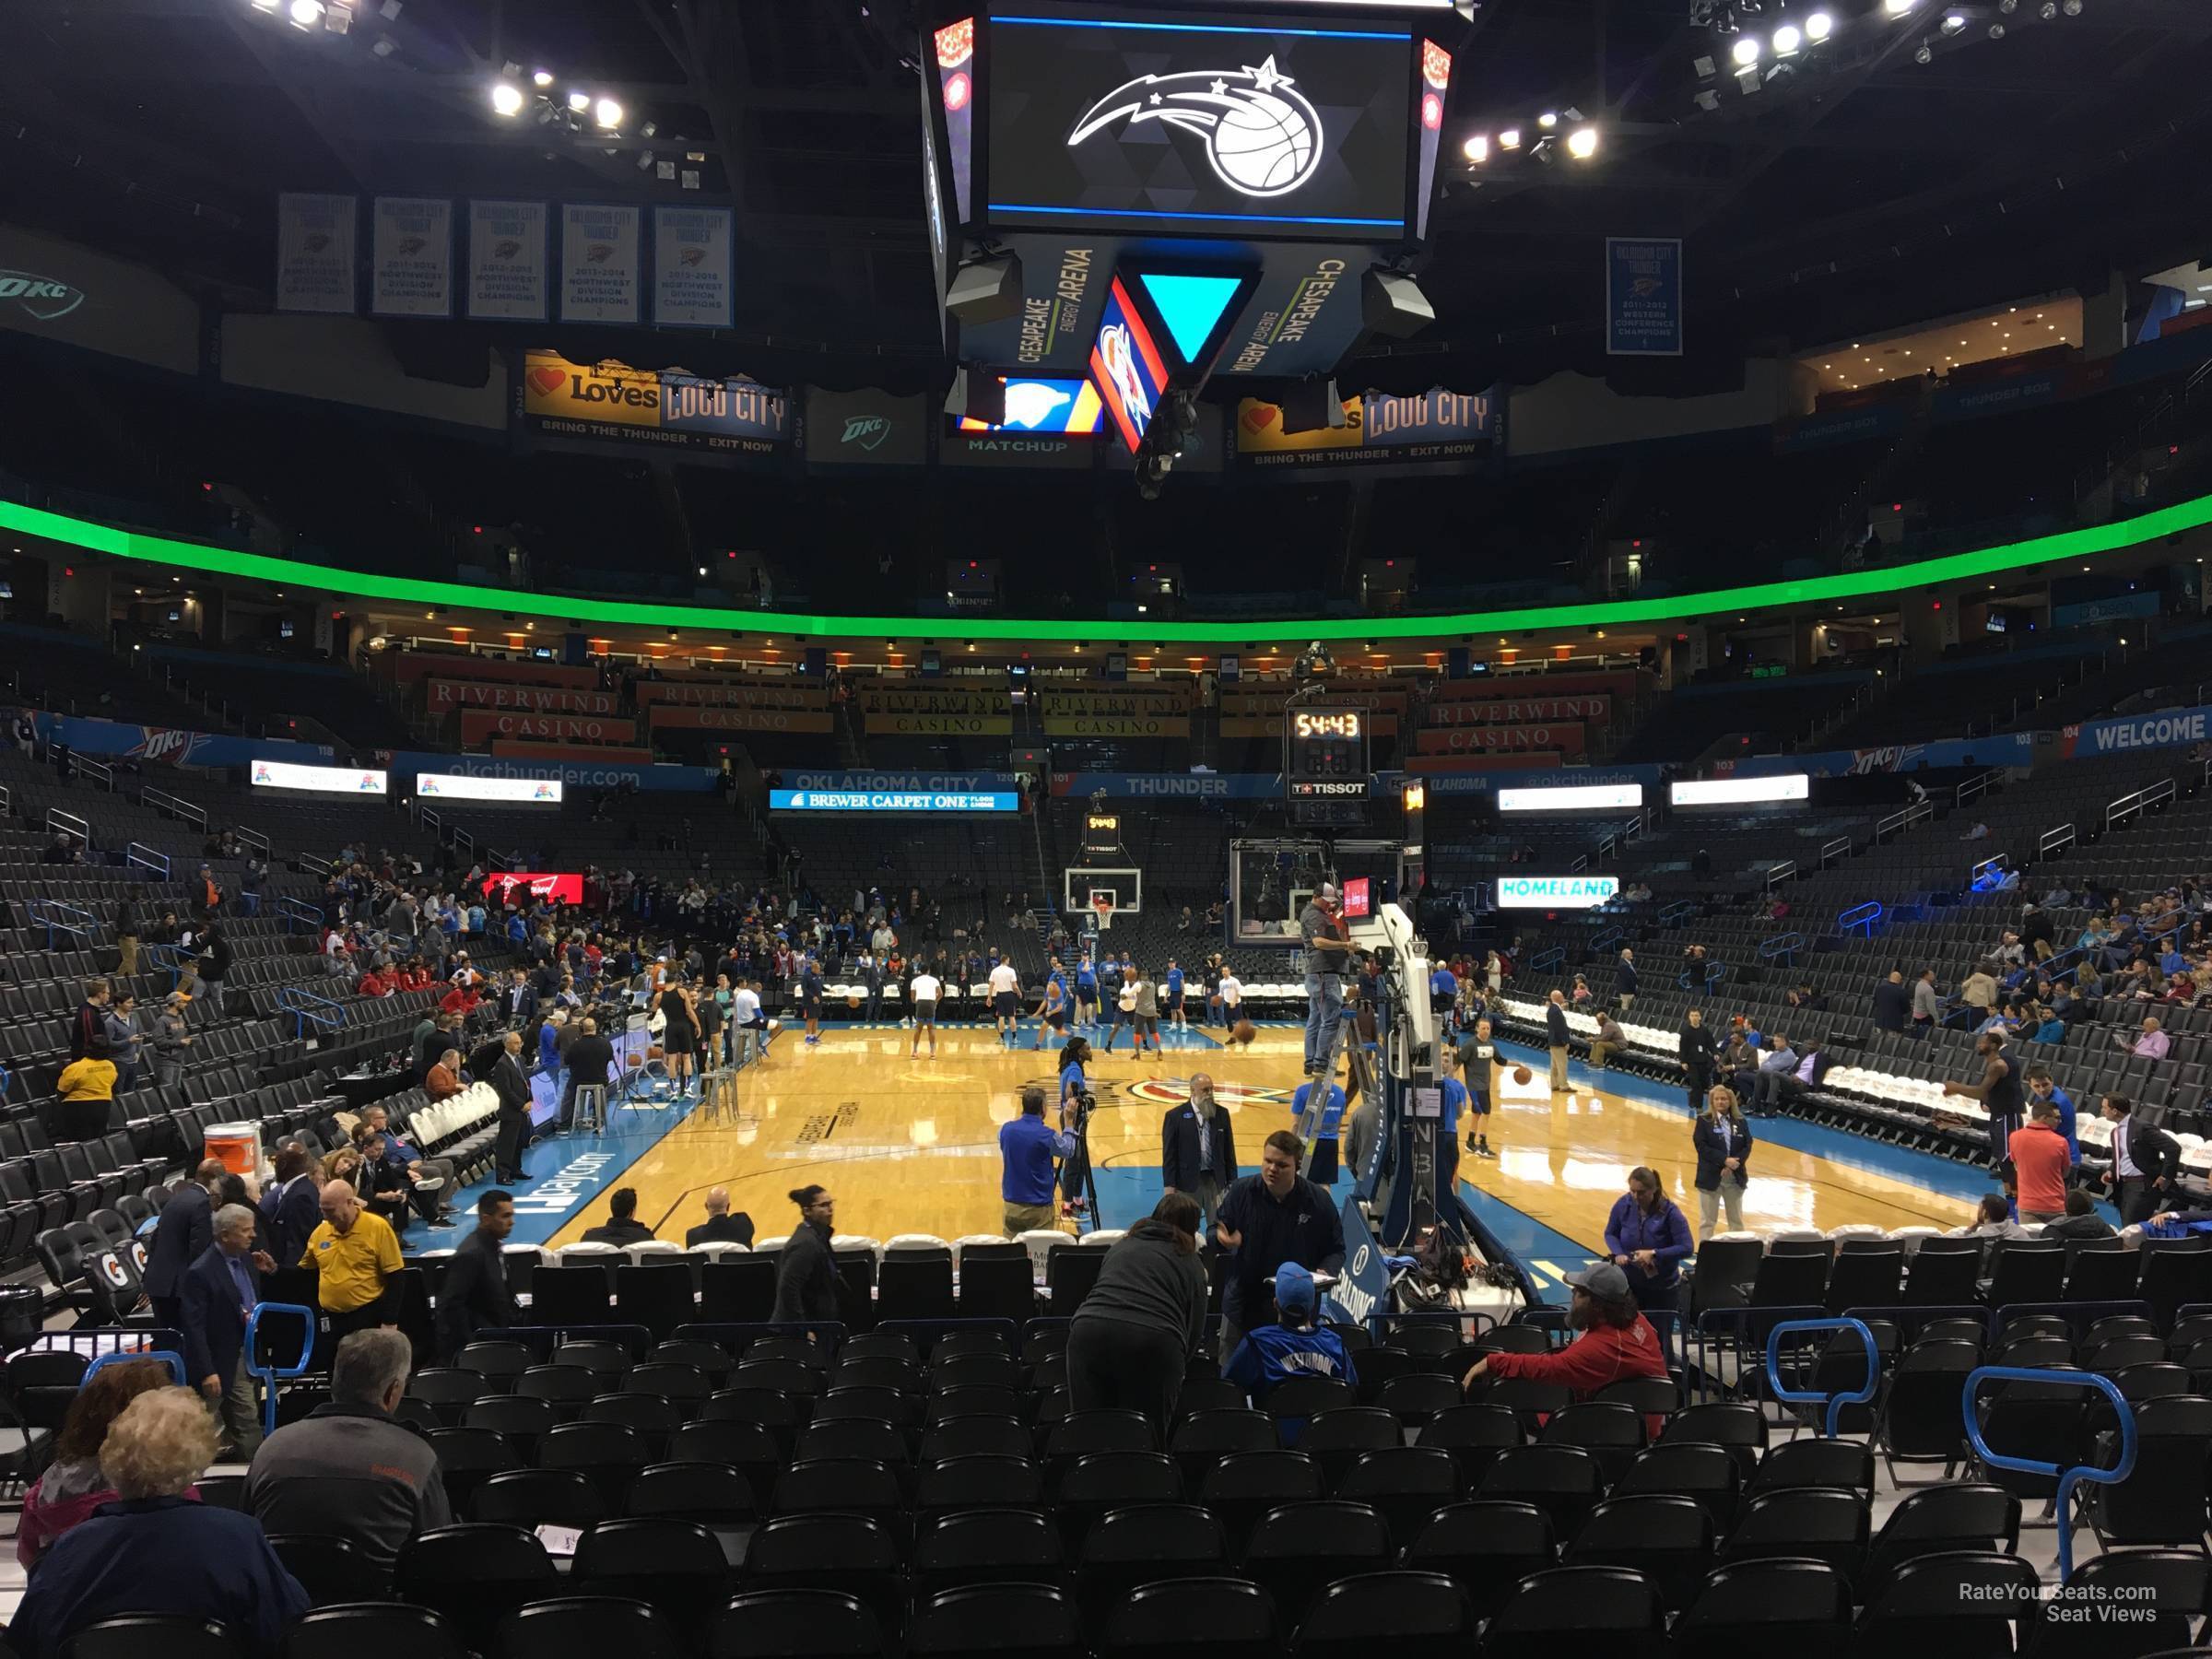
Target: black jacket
588,1059
472,1296
1714,1147
1624,978
295,1213
733,1228
513,1088
626,1230
1892,1005
2153,1151
805,1277
1555,1024
1178,1165
2097,1226
186,1228
1697,1048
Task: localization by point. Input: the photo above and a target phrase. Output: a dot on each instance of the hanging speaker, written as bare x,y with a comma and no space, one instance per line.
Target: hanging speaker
1313,406
1392,305
985,290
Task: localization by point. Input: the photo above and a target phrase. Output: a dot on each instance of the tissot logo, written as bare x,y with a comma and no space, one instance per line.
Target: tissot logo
45,297
1262,135
866,431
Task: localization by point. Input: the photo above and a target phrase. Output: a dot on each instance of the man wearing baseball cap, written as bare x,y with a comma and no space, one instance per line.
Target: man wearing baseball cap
1617,1342
1272,1355
1326,950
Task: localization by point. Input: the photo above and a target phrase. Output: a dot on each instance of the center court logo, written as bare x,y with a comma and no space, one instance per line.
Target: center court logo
1176,1091
1263,137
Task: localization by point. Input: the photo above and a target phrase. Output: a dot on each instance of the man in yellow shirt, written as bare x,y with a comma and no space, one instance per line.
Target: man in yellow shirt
354,1254
87,1090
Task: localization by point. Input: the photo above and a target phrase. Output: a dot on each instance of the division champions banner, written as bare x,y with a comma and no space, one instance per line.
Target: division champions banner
611,404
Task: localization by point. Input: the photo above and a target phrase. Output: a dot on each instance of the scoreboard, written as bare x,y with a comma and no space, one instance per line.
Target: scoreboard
1325,754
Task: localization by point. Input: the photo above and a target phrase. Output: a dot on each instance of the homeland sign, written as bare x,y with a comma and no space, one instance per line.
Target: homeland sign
1556,892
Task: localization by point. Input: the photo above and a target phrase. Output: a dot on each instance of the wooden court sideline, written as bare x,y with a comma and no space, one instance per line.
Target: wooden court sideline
911,1145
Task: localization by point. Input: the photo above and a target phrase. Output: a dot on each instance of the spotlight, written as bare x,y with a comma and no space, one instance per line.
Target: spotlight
1549,120
1923,55
507,99
1477,148
1509,138
1818,27
1898,9
306,13
2008,7
1581,143
580,101
1787,39
1954,23
541,77
1996,32
2071,7
265,6
609,114
1746,50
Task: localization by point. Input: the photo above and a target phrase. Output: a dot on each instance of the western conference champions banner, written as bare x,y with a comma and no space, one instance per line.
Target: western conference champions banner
691,267
599,274
610,403
411,257
510,262
315,236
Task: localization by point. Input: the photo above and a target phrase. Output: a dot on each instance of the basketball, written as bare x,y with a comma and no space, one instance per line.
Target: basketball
852,1002
1522,1073
1262,146
1243,1033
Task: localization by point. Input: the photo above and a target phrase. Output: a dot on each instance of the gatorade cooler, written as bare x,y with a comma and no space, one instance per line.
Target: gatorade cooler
236,1146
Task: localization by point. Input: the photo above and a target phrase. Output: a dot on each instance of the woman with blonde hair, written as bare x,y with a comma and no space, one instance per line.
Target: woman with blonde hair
154,1549
74,1485
1724,1146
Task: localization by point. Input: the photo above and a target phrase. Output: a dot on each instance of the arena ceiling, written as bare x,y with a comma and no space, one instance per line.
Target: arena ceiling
1858,195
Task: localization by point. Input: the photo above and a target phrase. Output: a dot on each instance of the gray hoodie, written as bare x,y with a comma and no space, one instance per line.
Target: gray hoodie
1148,1280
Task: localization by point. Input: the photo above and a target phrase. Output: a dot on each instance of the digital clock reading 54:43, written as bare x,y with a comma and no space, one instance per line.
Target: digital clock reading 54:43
1345,723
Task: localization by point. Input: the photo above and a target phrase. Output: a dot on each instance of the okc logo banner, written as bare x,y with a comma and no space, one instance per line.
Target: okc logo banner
1262,136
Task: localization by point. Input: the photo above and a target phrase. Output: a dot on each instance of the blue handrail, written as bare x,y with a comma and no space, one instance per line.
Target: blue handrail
176,1363
274,1373
52,914
1681,910
1782,945
1715,974
170,958
294,911
1836,1402
304,1007
2067,1478
1867,915
1606,938
1544,961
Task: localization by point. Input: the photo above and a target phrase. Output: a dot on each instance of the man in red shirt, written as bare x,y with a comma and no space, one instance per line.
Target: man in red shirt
2039,1161
461,999
1617,1342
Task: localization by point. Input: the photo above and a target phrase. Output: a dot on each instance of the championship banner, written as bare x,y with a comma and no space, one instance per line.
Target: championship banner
1130,724
692,268
1565,738
1595,708
948,725
1432,427
876,699
598,262
478,725
664,717
612,403
405,667
315,253
1644,296
411,257
510,262
728,695
446,696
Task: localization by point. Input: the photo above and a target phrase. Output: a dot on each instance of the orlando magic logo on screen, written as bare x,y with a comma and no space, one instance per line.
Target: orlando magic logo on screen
1262,135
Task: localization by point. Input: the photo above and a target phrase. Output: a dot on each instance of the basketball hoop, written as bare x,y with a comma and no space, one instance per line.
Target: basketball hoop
1102,904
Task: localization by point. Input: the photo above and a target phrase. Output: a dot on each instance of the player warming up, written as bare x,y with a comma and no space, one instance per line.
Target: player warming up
1481,1062
1006,1000
924,992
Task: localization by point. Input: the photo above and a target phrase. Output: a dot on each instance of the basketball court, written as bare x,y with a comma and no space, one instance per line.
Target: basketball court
911,1145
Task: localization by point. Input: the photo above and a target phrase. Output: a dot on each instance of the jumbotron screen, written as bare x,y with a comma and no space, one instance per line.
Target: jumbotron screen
1251,126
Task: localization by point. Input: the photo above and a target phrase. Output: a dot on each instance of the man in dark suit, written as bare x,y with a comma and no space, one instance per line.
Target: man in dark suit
185,1230
721,1226
1892,1002
621,1226
2146,1172
219,1292
1198,1149
474,1297
513,1089
292,1205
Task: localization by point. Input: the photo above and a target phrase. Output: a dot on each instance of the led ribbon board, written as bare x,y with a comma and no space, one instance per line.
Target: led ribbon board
1556,892
326,780
1572,797
467,786
886,800
1740,791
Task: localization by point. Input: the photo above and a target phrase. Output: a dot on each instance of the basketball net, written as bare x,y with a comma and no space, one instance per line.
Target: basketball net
1103,903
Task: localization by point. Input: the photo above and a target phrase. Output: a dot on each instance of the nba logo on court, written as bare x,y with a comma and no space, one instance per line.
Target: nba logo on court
1263,137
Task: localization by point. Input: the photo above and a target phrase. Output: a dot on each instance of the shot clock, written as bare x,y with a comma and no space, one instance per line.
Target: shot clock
1325,753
